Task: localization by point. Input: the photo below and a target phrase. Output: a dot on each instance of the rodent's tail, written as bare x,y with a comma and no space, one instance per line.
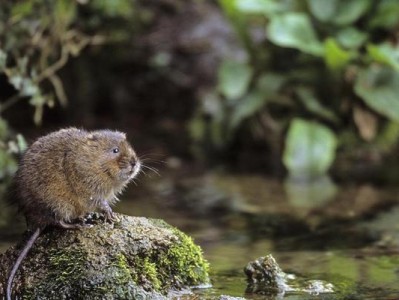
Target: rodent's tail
20,258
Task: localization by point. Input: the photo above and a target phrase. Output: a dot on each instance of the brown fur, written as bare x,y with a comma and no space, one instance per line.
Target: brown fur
70,172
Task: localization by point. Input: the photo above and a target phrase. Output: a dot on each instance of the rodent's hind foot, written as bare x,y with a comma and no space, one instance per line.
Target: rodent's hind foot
65,225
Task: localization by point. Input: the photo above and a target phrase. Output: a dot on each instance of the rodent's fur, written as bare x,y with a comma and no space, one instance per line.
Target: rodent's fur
68,173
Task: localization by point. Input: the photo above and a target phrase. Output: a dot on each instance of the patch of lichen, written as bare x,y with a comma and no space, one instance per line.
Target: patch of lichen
115,281
63,265
68,277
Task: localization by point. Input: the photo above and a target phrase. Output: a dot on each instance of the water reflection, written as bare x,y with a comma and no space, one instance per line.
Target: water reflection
347,235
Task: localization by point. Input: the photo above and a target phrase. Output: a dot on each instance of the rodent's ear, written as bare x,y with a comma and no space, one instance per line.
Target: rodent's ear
92,137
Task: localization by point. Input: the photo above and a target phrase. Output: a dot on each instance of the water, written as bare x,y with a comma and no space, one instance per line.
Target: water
346,235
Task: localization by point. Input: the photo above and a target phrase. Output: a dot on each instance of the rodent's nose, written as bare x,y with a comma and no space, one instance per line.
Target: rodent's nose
135,166
134,163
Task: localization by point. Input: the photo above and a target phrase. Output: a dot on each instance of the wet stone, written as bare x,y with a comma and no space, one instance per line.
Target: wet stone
132,258
264,276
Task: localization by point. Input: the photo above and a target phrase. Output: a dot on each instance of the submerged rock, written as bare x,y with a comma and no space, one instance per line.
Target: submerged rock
133,258
265,276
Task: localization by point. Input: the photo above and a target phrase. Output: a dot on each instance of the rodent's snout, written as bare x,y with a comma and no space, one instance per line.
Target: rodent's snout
135,165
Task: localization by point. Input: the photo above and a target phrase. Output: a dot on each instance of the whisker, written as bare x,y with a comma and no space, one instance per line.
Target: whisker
150,154
144,172
159,162
150,158
151,169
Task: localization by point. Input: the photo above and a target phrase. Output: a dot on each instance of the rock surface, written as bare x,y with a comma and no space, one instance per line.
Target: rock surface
264,276
133,258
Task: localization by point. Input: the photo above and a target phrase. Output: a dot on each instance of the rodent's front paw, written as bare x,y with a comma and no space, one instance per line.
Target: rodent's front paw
110,216
108,213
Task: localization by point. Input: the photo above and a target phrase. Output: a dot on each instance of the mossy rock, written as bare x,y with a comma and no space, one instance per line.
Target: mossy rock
133,258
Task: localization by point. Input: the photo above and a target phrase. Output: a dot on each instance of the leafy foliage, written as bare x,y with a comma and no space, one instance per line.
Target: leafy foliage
37,39
9,146
334,63
310,149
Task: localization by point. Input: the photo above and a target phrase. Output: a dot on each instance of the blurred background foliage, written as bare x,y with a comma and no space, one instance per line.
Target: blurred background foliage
316,74
260,85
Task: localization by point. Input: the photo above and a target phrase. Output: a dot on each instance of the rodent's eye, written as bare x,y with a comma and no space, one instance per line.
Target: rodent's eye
115,150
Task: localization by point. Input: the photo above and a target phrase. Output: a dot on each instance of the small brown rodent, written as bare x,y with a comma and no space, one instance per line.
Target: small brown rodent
68,173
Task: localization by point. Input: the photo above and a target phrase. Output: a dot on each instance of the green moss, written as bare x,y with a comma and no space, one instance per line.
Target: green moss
123,274
185,261
151,272
180,265
71,262
174,262
121,261
145,273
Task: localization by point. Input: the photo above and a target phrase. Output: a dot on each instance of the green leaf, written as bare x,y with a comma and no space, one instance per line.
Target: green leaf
64,12
197,128
21,142
246,107
351,38
229,7
267,7
294,30
323,10
16,81
340,12
28,88
386,14
3,60
313,105
8,165
114,8
385,54
309,150
4,129
234,78
267,86
212,104
336,58
378,86
349,11
21,10
388,136
270,83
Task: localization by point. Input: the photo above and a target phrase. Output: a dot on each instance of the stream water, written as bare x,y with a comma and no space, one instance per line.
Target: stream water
345,235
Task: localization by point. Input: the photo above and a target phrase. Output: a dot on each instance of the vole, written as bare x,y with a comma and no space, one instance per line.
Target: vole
68,173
